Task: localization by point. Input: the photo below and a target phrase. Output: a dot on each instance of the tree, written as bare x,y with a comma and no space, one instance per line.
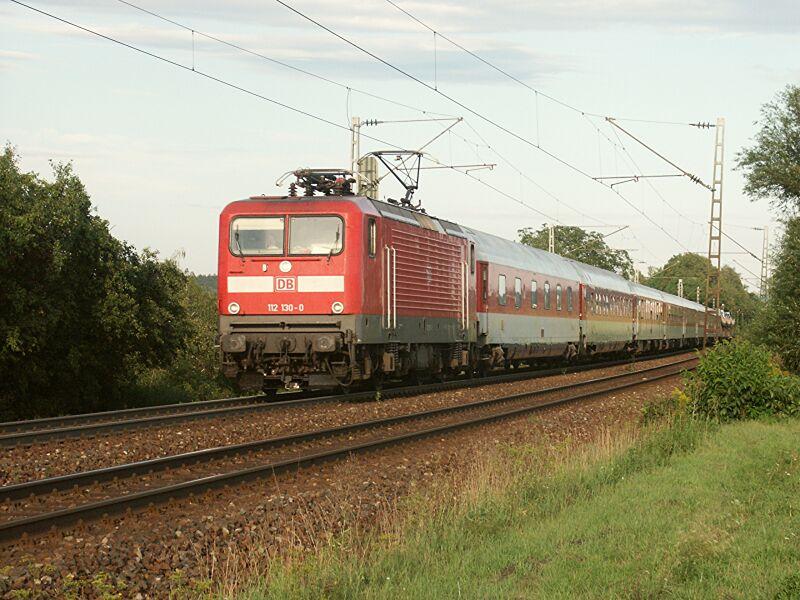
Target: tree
779,323
693,268
772,165
194,374
81,313
585,246
772,169
207,282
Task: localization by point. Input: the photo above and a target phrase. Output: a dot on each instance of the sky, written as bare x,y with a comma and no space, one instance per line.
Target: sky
164,140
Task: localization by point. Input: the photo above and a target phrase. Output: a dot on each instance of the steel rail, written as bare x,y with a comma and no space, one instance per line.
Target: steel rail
104,416
64,482
14,528
257,404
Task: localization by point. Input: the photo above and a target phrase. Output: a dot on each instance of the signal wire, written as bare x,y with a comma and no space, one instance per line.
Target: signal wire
528,86
363,92
275,61
327,80
635,165
477,114
522,174
266,99
437,91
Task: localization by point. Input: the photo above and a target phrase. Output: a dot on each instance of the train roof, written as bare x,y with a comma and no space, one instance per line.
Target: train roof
493,248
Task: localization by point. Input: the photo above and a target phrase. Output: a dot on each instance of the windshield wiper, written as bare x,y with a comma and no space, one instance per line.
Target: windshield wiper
240,254
335,244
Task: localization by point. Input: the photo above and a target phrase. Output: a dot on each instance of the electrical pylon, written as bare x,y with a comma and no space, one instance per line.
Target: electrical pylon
764,291
715,236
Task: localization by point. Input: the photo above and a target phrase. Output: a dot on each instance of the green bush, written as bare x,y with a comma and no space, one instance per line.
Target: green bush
88,323
740,380
81,312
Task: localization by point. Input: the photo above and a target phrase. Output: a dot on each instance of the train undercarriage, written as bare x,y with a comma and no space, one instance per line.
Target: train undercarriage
325,354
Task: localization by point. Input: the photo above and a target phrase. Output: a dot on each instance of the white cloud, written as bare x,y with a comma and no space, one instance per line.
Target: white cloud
10,59
303,46
474,15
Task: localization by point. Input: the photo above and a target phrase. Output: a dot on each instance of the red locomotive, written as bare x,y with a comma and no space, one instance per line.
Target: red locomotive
332,290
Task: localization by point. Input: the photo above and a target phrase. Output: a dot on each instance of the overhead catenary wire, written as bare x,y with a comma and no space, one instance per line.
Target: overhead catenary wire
264,98
427,85
474,112
275,61
522,174
585,113
317,117
525,84
636,166
309,73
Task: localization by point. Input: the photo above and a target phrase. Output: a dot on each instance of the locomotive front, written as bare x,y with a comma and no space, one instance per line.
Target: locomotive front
287,307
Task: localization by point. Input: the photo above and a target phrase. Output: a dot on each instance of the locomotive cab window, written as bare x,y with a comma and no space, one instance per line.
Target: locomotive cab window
534,292
372,238
558,296
501,290
316,235
260,236
547,295
517,292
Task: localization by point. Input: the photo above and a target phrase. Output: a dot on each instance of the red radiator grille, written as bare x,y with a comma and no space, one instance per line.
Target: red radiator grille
429,272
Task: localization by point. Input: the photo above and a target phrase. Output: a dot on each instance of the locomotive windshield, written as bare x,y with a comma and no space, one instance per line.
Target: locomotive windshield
257,235
318,235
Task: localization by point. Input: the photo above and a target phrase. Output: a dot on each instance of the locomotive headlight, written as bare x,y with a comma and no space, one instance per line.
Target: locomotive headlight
337,308
233,308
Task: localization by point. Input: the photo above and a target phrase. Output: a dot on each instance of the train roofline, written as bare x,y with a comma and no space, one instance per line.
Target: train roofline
504,249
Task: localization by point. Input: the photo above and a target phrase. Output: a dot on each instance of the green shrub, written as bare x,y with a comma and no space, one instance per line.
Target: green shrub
740,380
659,408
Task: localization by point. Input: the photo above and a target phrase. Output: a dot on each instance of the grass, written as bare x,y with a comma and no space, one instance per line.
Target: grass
685,510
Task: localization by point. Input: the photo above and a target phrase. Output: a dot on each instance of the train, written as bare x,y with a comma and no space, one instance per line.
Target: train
330,289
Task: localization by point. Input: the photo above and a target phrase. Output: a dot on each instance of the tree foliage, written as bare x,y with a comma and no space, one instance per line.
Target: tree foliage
82,314
208,283
693,268
772,164
194,373
772,169
779,324
740,380
585,246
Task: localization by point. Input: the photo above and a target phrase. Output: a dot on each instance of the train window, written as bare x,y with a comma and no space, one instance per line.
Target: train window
485,279
569,299
534,294
558,296
501,290
257,236
547,295
372,238
517,292
316,236
472,258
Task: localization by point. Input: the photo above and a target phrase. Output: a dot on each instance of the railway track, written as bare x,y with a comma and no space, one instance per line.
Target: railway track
60,501
21,433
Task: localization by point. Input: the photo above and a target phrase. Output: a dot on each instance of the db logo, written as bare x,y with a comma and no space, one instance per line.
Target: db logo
285,284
